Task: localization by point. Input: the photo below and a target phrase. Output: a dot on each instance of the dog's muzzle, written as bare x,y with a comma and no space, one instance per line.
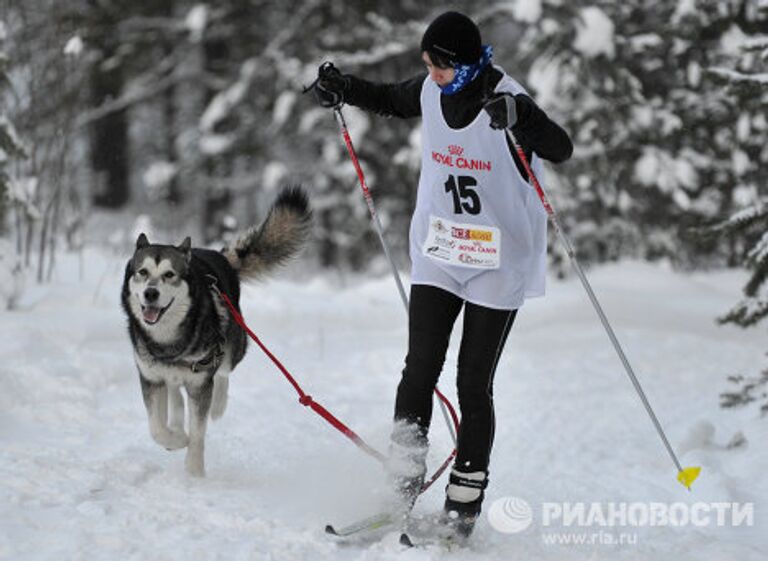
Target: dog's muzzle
152,313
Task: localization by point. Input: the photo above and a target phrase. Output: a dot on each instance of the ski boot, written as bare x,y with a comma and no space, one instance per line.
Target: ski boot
463,502
406,465
406,469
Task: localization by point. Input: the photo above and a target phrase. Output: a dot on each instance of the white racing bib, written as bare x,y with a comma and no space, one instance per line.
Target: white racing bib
474,246
478,230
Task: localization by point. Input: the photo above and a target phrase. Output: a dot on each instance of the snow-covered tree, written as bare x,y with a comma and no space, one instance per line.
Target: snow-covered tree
208,117
49,89
747,83
11,147
259,122
11,150
750,227
660,147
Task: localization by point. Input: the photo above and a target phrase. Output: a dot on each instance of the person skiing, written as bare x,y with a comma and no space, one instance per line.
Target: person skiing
477,241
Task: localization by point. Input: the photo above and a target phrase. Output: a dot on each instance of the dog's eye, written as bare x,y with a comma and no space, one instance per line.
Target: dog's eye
143,272
169,275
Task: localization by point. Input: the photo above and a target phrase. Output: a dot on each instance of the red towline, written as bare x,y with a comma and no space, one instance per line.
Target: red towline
307,400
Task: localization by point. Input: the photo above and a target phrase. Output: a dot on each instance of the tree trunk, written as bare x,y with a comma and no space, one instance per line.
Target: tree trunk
218,195
169,122
109,135
174,196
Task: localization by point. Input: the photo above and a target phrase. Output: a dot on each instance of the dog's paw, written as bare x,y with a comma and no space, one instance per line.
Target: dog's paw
195,466
171,439
177,440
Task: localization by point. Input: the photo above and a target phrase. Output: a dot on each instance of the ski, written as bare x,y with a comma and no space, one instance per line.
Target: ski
430,531
414,532
377,521
370,523
449,543
406,540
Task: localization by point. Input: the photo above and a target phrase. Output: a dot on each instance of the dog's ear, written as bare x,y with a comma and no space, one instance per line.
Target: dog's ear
142,241
186,248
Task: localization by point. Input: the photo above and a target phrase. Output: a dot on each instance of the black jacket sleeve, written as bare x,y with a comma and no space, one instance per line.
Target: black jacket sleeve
402,99
538,133
535,131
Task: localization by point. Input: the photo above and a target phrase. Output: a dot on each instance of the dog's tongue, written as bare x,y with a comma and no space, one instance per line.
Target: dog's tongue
151,314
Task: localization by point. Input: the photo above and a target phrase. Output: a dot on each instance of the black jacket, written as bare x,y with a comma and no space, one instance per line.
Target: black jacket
534,130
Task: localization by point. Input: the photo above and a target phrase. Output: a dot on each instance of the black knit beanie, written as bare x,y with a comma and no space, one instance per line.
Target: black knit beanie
453,36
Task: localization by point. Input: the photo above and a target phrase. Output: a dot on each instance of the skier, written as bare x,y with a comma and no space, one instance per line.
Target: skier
477,241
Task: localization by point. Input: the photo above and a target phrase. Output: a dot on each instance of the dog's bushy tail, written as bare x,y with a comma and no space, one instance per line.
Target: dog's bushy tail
284,231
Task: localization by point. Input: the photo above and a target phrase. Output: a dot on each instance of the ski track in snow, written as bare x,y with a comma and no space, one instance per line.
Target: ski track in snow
80,477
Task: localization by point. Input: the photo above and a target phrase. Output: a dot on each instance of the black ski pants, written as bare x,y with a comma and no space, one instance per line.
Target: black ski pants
432,314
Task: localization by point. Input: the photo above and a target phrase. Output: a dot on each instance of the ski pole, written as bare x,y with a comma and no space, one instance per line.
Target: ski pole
449,417
687,475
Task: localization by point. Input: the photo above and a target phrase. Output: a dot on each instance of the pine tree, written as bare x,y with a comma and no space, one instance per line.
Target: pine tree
660,145
10,145
11,150
272,133
749,227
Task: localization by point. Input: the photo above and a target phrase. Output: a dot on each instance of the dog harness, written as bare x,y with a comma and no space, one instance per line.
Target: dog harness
211,361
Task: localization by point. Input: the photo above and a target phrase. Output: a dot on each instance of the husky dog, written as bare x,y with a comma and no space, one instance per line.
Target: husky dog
183,334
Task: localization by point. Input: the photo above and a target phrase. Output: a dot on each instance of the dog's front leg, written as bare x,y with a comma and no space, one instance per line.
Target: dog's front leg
199,395
156,401
176,413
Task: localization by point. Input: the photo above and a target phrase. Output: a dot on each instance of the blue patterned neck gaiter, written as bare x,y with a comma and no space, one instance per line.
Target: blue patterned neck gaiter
465,73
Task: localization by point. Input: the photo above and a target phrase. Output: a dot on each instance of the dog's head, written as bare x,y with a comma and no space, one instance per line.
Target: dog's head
156,289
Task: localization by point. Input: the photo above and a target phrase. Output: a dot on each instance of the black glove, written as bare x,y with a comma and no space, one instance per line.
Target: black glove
331,85
502,109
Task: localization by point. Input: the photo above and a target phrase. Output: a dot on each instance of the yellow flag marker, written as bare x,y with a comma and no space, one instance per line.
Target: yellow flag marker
688,475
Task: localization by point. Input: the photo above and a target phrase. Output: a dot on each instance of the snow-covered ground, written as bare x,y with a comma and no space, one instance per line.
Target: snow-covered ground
80,477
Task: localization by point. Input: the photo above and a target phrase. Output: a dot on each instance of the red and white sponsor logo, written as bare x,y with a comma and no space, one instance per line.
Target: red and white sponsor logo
477,247
460,233
455,159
